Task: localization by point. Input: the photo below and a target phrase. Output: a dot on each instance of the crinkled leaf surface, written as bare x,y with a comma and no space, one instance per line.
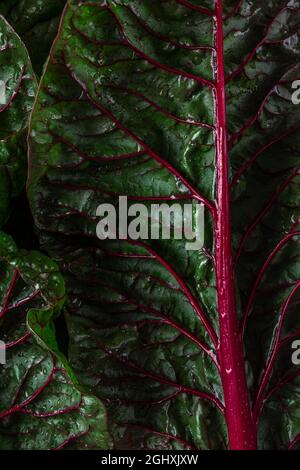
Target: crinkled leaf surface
128,106
36,21
41,403
17,93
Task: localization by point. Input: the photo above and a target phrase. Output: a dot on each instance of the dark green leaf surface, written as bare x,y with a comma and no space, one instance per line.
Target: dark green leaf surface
17,93
126,108
36,21
41,403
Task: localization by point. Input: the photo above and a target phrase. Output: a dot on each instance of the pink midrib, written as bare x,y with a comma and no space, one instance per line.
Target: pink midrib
240,424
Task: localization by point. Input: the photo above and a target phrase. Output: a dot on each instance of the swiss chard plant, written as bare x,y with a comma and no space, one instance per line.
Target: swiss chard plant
158,100
42,405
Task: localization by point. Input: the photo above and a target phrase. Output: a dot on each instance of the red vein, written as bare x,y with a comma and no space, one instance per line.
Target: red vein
286,380
8,294
159,433
250,56
21,302
145,57
237,135
165,381
137,402
29,400
163,38
190,6
276,347
85,156
146,275
151,152
246,61
70,439
77,187
234,10
254,157
51,414
160,108
181,330
261,274
192,300
294,442
157,64
264,211
18,341
290,337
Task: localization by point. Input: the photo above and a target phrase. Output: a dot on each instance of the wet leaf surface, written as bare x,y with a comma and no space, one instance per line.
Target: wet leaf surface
128,106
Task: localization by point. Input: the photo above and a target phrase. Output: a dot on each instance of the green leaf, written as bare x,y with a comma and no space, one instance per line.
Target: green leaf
132,103
42,405
17,93
37,24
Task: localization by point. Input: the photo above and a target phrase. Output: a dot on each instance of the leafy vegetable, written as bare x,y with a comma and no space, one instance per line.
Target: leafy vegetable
17,92
41,404
133,102
36,22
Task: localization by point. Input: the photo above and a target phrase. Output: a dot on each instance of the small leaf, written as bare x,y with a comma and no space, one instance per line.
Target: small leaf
17,94
42,405
37,23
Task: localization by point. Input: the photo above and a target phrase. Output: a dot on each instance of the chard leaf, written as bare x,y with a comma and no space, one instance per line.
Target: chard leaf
37,24
42,405
133,103
17,93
